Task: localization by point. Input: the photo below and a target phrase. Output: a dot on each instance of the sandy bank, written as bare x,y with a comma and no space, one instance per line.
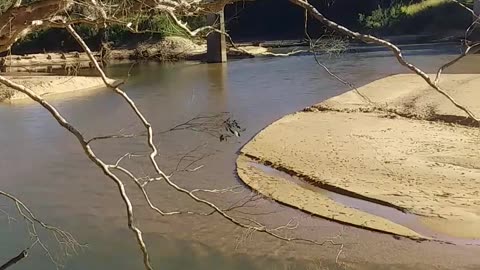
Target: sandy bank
179,48
312,202
170,48
366,149
410,96
46,85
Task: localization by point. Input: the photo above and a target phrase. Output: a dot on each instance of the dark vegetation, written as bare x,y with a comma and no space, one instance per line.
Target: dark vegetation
417,17
116,36
275,20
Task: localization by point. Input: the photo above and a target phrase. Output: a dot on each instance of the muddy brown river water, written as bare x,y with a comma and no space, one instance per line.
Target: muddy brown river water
43,165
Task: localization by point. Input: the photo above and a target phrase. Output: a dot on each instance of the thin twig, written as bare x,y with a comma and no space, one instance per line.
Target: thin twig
166,178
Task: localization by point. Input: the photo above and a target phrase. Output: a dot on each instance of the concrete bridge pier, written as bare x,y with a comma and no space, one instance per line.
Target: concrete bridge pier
216,44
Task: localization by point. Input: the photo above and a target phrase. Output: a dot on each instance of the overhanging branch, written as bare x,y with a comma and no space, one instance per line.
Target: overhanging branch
369,39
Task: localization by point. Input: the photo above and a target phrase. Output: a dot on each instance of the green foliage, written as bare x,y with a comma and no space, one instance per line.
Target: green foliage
165,26
160,24
87,31
432,16
382,17
149,27
421,6
437,19
118,35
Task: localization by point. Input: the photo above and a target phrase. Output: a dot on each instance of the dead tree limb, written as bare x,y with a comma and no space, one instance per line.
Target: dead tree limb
107,169
19,20
369,39
66,241
313,44
470,50
23,254
91,155
167,179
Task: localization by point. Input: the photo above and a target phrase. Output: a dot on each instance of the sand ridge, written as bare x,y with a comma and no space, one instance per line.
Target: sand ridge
48,85
428,168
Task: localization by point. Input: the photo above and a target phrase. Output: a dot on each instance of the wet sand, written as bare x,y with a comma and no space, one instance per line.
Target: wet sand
312,202
370,150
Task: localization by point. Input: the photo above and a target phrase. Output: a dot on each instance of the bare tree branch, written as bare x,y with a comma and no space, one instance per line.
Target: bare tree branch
230,126
91,155
393,48
66,241
120,12
19,20
470,50
313,45
466,8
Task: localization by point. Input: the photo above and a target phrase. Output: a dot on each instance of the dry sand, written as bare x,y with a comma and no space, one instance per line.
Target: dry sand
46,85
428,168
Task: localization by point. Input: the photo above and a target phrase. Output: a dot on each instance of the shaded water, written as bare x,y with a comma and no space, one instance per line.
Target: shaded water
43,164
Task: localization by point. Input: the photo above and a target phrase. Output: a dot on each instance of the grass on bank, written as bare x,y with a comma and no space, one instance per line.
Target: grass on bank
427,16
413,9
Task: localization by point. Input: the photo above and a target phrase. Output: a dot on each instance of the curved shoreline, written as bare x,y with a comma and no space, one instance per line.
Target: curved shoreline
326,186
345,145
50,85
284,193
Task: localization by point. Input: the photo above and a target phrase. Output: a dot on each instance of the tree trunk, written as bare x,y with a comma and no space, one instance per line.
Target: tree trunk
18,21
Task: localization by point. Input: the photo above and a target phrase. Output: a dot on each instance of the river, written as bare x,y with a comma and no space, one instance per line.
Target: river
44,165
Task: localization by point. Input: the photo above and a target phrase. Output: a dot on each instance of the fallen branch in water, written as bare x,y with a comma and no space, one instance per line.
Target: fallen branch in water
66,241
23,254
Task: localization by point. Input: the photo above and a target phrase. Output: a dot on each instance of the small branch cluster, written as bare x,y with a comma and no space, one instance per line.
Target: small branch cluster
65,240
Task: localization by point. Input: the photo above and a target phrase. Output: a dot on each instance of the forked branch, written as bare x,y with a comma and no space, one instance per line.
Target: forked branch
369,39
167,179
67,242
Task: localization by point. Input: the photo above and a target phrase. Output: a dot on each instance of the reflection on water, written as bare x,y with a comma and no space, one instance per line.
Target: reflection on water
42,164
109,251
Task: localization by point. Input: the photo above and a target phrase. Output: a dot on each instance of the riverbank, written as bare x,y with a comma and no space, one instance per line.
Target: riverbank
46,85
32,70
398,144
174,48
166,50
286,85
